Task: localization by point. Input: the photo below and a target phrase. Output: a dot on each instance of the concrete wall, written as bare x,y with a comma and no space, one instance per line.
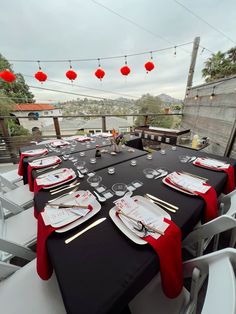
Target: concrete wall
212,117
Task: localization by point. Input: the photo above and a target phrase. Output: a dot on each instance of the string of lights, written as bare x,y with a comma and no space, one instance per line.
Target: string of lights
102,58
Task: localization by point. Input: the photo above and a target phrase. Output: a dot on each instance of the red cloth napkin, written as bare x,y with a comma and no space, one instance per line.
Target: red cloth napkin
22,156
210,198
211,204
39,187
168,248
44,266
230,184
30,178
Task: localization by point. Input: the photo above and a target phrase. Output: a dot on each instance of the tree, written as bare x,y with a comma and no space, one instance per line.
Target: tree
151,104
220,65
18,90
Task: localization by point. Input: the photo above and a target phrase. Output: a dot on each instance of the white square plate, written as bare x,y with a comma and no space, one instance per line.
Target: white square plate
149,206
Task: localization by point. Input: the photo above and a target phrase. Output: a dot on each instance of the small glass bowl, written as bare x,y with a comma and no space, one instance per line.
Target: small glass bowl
94,180
65,156
93,160
111,170
173,147
80,165
163,151
82,154
119,189
149,173
149,156
133,162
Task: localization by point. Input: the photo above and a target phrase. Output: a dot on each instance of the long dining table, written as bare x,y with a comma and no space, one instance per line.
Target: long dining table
102,270
131,141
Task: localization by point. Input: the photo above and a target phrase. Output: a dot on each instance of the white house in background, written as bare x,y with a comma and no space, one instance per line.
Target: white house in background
69,126
34,112
119,124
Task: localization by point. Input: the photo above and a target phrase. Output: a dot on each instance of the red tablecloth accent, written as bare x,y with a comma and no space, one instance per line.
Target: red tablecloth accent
168,248
230,184
30,178
39,187
22,156
44,266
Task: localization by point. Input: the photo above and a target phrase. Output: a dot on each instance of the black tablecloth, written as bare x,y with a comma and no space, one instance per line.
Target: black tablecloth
102,270
132,141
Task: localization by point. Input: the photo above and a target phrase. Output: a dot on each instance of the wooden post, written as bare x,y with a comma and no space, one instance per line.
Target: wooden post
231,140
192,63
104,124
7,139
57,127
145,120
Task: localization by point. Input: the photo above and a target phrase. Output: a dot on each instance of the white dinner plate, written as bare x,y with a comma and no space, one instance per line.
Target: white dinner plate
46,161
149,206
177,188
35,152
56,183
96,208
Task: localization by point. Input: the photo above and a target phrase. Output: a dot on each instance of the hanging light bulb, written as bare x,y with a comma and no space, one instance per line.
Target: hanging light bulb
196,97
212,94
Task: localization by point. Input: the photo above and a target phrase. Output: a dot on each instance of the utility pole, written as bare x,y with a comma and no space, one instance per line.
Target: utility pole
192,63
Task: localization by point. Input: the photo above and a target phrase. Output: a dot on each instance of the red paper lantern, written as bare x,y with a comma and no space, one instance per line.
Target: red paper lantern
7,76
149,66
40,76
100,73
71,75
125,70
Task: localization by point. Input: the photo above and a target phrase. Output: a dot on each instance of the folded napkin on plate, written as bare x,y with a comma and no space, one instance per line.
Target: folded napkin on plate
59,143
44,266
64,176
216,165
168,248
209,195
29,153
31,166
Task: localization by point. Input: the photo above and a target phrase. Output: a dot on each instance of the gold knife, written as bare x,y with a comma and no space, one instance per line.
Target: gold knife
94,224
161,201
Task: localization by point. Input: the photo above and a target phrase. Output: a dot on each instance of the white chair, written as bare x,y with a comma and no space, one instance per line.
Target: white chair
221,288
197,241
20,196
17,233
24,292
10,180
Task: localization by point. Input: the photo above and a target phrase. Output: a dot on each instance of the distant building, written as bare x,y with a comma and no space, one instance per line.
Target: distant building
119,124
34,112
69,126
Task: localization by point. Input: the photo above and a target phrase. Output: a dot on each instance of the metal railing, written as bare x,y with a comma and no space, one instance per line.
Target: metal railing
9,145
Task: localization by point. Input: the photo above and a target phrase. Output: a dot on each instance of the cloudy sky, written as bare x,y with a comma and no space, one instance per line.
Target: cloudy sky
83,29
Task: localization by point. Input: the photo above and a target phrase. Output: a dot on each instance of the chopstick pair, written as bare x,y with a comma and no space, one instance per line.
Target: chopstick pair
120,212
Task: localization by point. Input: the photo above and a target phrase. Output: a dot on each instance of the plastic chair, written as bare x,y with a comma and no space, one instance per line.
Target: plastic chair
197,241
17,233
10,180
221,288
20,196
24,292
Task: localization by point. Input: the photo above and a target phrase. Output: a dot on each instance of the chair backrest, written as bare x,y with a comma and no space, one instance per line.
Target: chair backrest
7,269
5,182
228,204
221,289
10,205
